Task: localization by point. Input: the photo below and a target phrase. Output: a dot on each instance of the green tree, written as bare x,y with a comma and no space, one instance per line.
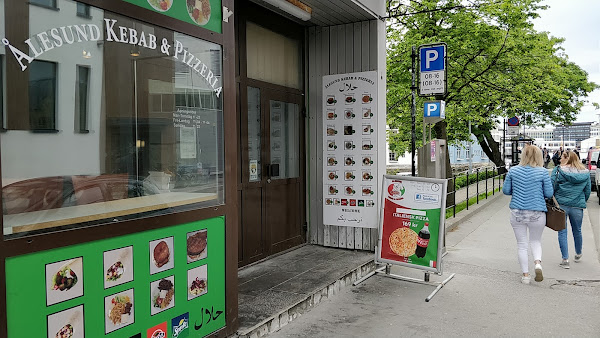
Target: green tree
498,66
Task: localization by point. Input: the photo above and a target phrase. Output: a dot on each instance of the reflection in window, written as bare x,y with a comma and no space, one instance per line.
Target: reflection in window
156,130
83,10
42,95
45,3
81,99
2,123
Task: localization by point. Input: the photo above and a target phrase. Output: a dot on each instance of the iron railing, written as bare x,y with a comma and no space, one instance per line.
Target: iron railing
476,177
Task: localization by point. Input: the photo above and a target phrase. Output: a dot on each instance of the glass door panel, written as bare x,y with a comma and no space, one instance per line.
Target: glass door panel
254,134
285,147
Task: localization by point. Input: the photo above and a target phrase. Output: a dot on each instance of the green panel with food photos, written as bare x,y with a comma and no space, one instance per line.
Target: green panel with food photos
136,285
202,13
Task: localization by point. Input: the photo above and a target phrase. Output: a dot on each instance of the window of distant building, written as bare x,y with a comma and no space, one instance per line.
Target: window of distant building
44,3
83,10
392,156
42,96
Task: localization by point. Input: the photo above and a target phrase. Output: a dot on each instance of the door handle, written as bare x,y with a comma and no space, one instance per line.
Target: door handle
268,180
272,170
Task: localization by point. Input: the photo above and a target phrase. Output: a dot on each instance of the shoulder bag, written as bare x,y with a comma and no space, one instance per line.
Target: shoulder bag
555,216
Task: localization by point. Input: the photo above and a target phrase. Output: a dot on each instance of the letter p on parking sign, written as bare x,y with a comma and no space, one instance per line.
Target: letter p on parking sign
432,69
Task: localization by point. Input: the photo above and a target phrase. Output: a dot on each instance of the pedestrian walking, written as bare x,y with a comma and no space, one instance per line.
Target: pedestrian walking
571,181
529,185
546,157
556,156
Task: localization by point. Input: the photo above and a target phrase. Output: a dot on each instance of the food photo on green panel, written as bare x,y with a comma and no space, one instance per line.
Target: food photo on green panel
106,288
203,13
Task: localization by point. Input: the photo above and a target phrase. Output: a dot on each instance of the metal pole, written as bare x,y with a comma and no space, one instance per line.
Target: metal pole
477,183
439,287
467,191
413,89
469,154
504,143
454,193
486,179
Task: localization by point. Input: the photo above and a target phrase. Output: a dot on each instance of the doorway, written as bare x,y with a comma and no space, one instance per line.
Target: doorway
272,162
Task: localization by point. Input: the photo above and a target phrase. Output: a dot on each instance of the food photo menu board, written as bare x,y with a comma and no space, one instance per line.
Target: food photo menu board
350,149
123,286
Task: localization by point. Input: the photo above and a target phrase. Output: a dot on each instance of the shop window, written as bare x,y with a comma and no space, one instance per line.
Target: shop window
81,99
83,10
44,3
42,96
156,127
2,119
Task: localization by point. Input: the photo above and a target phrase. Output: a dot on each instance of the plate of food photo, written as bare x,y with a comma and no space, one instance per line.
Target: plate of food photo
64,280
161,255
197,245
197,282
118,266
161,5
162,294
199,11
119,310
66,324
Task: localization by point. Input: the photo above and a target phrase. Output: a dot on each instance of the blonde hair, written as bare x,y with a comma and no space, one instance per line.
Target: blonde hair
574,161
532,156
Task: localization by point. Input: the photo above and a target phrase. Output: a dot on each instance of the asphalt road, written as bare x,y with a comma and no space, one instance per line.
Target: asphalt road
485,298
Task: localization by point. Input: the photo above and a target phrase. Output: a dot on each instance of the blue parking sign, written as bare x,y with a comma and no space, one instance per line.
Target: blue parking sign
432,58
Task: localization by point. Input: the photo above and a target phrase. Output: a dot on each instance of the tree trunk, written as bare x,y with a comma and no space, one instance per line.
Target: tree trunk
490,147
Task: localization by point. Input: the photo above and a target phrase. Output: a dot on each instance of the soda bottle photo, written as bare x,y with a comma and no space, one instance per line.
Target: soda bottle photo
423,241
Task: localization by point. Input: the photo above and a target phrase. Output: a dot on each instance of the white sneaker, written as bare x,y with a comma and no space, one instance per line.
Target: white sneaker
578,258
538,273
564,264
525,280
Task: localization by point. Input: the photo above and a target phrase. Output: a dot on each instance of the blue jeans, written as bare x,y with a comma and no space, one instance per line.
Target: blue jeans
575,217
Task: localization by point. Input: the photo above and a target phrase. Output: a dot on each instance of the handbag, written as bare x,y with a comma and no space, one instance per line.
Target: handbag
555,216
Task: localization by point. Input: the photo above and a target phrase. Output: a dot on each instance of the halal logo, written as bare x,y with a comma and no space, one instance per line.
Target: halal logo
396,190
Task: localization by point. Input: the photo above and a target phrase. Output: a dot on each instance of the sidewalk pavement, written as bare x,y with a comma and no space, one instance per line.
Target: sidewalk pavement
485,298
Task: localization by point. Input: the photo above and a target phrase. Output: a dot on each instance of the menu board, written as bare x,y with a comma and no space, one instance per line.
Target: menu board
412,225
168,282
350,149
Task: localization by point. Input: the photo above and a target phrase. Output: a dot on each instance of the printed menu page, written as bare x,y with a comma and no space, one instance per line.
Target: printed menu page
350,149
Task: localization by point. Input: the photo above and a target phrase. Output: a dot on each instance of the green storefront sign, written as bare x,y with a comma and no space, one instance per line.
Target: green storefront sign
203,13
171,278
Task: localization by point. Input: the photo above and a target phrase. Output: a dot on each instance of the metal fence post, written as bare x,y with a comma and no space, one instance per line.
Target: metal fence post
454,192
467,190
493,180
486,178
477,183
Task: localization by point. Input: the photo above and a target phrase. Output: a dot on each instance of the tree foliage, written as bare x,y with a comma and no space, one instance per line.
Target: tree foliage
498,66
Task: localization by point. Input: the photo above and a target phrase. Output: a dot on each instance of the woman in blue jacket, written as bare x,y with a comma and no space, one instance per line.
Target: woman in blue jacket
572,183
529,184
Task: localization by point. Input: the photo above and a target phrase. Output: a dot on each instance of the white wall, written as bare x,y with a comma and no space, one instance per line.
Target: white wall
28,155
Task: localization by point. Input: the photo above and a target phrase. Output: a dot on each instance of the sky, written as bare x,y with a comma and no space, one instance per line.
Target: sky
578,22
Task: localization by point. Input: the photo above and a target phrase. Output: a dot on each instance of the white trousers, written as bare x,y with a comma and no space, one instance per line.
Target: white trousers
535,222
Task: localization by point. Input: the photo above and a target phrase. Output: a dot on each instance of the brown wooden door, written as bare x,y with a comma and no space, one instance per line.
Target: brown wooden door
272,189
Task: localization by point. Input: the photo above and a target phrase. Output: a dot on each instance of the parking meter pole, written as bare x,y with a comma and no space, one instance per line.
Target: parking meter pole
413,88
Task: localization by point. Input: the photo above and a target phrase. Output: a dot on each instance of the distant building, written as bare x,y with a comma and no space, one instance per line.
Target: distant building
577,131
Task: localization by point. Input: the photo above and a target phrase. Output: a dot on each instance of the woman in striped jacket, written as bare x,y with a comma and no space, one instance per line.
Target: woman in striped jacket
529,184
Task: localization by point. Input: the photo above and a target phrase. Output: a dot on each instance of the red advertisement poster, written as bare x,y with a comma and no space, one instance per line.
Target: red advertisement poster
412,222
158,331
